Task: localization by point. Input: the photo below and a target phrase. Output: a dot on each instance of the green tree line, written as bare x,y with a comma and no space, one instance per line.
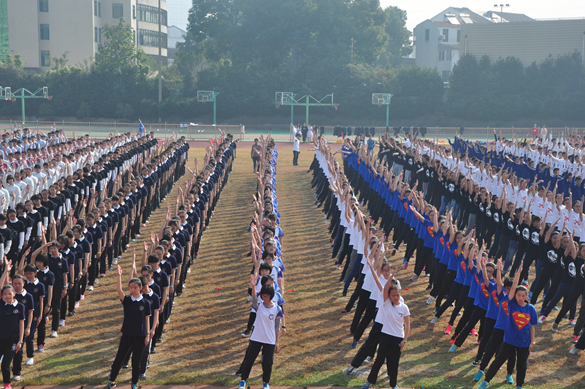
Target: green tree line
246,50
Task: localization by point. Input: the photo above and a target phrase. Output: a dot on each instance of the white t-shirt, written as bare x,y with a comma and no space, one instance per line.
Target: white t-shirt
393,319
265,323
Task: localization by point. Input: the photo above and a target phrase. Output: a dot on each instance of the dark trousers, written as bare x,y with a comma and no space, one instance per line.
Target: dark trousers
256,161
570,303
56,307
295,158
92,269
548,270
42,331
506,352
439,276
7,352
389,349
477,315
562,291
251,355
454,295
467,312
30,340
128,343
488,325
368,349
446,286
359,311
366,319
494,343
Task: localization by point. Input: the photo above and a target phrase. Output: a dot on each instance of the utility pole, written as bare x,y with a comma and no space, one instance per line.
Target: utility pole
159,61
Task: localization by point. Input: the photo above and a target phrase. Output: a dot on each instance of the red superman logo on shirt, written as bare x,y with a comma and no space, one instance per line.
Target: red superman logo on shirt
521,319
431,232
442,241
406,206
495,298
484,290
463,266
505,307
476,279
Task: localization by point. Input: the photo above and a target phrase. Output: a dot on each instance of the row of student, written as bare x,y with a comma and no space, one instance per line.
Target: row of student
377,291
60,271
522,236
166,262
266,321
426,231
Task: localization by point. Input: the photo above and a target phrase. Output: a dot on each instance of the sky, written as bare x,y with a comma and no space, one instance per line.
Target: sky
418,11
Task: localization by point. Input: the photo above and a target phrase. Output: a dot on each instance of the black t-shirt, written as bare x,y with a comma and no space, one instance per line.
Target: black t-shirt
135,313
524,240
36,218
49,205
509,225
16,227
37,291
551,256
570,266
534,243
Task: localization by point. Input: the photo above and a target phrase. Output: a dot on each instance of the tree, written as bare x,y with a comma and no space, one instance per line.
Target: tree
18,61
119,54
59,62
398,44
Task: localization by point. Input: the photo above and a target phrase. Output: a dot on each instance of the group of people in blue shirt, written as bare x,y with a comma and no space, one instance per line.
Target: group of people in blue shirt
471,214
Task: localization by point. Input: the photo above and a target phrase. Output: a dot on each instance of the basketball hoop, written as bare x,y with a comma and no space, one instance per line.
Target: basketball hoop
379,104
336,106
278,105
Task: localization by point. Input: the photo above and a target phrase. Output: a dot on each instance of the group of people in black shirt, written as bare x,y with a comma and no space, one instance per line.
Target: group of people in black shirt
74,222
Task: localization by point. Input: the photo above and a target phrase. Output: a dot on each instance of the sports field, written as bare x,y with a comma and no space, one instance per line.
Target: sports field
203,345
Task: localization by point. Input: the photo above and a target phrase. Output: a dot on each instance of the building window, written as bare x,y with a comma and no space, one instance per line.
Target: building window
44,32
427,32
442,55
95,34
95,8
44,5
45,58
133,12
446,35
458,36
449,52
150,38
146,13
99,9
117,11
100,35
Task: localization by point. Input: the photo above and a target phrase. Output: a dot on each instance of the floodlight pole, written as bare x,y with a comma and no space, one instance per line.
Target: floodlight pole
22,94
214,108
307,110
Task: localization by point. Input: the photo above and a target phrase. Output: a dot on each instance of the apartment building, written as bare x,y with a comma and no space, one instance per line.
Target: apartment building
39,30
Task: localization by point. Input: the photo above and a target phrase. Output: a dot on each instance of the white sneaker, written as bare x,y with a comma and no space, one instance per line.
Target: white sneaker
542,319
434,320
115,261
575,351
431,300
53,334
414,278
96,281
30,362
90,288
61,323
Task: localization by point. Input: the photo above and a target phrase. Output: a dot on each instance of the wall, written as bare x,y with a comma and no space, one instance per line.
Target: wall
528,41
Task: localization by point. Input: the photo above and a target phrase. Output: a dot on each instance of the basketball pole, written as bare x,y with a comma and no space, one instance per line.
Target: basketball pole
214,110
387,115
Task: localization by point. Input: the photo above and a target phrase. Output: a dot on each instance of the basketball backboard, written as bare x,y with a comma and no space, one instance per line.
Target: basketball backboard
380,99
204,96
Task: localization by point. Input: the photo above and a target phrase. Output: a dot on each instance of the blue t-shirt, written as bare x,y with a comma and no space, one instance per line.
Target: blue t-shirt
520,319
429,234
468,275
503,311
482,293
494,302
462,269
476,279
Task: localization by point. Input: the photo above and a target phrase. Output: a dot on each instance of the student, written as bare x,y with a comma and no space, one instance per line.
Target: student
135,329
26,299
519,333
12,316
265,336
296,149
37,290
47,278
395,330
60,268
490,345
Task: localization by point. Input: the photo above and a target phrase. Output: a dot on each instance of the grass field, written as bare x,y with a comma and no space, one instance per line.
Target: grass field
203,345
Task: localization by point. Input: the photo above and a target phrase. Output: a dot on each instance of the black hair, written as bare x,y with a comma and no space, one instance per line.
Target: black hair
153,258
267,289
31,267
147,268
265,266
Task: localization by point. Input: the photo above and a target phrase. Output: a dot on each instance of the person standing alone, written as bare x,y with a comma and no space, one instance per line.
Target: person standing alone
256,151
296,146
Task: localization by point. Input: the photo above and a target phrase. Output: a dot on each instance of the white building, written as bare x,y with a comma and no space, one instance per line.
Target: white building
175,35
438,40
39,30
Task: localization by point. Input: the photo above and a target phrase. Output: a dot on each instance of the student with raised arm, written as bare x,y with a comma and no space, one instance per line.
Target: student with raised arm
395,330
135,329
489,346
12,317
266,333
518,336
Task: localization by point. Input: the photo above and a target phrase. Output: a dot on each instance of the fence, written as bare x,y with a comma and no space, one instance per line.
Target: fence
101,130
280,132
